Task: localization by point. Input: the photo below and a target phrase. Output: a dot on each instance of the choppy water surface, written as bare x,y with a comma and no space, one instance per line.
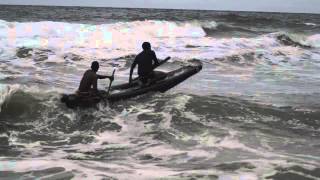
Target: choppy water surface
251,113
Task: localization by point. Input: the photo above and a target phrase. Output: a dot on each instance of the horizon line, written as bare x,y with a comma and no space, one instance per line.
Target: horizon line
185,9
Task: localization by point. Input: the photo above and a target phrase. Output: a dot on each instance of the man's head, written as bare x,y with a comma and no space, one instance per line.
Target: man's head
95,66
146,46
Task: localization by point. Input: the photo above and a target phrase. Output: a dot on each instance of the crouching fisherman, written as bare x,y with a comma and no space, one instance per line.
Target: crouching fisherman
89,82
145,60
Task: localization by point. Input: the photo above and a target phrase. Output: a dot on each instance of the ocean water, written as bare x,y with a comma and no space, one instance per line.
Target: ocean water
253,112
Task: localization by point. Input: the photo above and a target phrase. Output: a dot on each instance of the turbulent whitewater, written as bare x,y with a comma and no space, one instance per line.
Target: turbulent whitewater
253,112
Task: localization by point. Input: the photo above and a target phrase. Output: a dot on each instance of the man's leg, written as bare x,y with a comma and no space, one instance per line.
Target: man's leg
143,80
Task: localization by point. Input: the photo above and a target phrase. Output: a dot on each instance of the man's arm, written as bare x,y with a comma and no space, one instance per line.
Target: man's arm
131,70
95,83
104,77
155,59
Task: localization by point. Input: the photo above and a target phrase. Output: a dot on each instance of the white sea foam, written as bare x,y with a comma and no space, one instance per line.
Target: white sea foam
60,34
310,24
123,38
314,40
6,91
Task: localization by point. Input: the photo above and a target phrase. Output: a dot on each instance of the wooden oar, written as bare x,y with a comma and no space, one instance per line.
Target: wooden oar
161,62
111,82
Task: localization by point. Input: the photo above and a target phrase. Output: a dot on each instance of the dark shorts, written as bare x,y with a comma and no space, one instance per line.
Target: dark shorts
144,78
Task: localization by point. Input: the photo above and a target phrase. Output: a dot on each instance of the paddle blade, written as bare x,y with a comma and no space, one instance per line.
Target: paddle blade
114,70
111,82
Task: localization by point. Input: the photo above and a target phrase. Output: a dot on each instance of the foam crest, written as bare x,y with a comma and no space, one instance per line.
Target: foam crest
67,35
6,91
123,38
314,40
310,24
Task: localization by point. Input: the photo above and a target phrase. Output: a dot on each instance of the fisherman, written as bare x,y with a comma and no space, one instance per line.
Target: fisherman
146,60
89,81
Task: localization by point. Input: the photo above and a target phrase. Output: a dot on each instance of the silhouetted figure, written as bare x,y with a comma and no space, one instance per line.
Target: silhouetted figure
89,81
145,60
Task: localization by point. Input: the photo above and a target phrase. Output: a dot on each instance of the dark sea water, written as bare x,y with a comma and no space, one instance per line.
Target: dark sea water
253,112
